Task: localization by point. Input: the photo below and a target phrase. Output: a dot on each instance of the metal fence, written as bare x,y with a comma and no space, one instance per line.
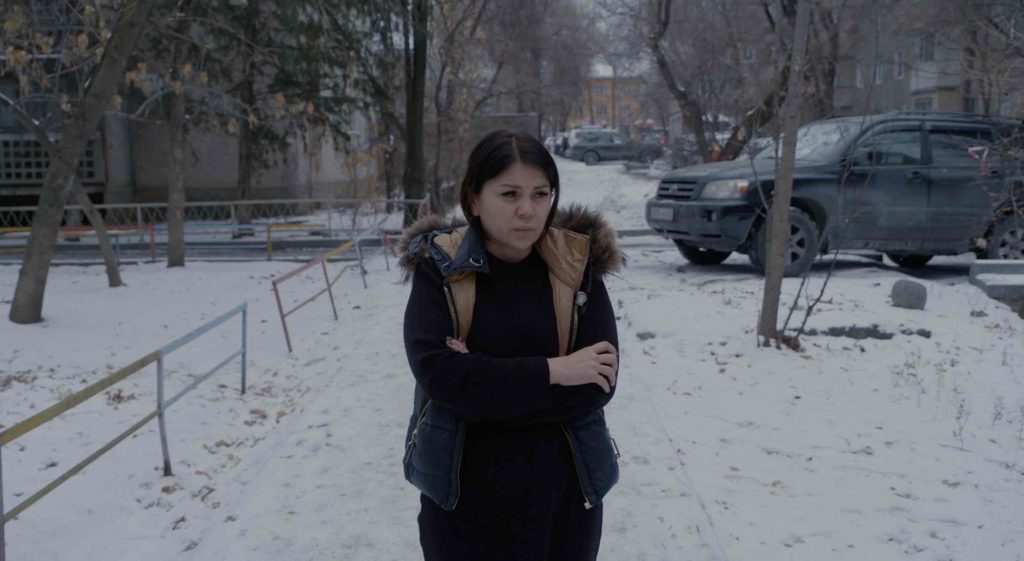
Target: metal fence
328,282
337,213
39,419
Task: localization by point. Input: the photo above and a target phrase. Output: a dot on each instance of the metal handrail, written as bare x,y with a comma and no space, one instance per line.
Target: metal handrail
50,413
328,282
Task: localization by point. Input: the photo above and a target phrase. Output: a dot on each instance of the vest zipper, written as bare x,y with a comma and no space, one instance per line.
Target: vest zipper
455,334
458,481
572,451
574,328
412,438
451,309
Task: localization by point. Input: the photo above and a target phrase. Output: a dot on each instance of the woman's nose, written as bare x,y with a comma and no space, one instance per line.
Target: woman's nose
524,209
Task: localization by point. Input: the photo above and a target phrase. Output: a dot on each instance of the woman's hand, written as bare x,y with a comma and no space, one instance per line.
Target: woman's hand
596,364
457,345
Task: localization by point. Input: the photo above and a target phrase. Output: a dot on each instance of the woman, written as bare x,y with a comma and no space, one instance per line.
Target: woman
511,337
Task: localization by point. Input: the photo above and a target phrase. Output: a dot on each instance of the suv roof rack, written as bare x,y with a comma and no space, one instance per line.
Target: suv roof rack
954,115
948,115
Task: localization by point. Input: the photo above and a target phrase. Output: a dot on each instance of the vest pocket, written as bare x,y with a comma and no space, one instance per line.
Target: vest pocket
411,444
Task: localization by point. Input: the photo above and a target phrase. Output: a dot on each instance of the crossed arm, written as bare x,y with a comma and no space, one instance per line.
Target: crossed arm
519,390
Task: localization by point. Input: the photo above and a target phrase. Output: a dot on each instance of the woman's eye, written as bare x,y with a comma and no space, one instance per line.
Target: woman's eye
542,194
509,195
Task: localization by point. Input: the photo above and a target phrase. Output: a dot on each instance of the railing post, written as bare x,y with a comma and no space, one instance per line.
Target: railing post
384,246
270,244
330,293
284,323
359,254
3,543
160,416
245,344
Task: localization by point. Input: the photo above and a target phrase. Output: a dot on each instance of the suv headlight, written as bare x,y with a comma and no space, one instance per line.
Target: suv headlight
726,189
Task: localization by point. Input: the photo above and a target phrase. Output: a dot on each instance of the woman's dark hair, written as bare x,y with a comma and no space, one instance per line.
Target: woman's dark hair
493,155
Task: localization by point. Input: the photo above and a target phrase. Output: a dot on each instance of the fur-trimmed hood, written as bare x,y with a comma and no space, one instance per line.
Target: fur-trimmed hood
605,256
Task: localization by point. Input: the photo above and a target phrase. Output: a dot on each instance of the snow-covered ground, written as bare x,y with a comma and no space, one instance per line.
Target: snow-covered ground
911,447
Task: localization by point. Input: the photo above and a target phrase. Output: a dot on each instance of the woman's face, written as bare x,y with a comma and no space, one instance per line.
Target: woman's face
513,208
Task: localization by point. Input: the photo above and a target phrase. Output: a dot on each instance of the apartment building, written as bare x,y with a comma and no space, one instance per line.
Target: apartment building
935,55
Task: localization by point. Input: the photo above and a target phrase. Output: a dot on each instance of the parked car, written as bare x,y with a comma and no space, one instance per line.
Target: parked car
653,142
551,143
561,143
591,146
910,184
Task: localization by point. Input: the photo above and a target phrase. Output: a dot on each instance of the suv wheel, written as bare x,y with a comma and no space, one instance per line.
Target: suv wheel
647,158
700,255
909,261
800,251
1007,240
591,158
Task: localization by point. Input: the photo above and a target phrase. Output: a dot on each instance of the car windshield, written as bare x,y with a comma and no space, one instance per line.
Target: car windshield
818,141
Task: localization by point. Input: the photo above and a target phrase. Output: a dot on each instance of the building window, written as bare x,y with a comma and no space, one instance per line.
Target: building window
860,75
925,48
923,104
749,55
1004,108
602,110
626,112
898,71
970,104
879,72
599,90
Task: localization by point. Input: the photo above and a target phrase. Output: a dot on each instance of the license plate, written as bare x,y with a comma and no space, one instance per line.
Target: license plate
662,213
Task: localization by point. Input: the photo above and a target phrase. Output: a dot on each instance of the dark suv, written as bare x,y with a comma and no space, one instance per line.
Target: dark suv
594,145
910,184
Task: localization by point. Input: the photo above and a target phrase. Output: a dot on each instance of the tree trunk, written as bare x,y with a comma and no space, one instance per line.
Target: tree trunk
415,166
109,258
693,115
176,190
179,137
778,216
28,295
74,189
758,116
248,97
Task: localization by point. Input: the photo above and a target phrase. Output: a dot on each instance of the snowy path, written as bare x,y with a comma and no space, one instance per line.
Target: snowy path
907,448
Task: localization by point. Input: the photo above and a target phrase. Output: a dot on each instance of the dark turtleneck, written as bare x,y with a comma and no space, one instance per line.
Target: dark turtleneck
504,377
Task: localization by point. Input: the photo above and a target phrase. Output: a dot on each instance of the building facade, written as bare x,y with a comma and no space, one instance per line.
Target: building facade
936,55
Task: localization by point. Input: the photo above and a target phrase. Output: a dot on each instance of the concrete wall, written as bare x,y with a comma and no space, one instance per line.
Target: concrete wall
117,148
528,123
329,171
139,165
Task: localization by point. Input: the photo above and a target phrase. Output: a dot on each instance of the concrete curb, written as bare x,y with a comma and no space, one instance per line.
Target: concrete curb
1002,280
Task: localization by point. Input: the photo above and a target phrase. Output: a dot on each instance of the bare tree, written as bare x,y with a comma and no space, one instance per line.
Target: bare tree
693,115
75,189
457,24
778,217
416,39
711,56
179,139
28,296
